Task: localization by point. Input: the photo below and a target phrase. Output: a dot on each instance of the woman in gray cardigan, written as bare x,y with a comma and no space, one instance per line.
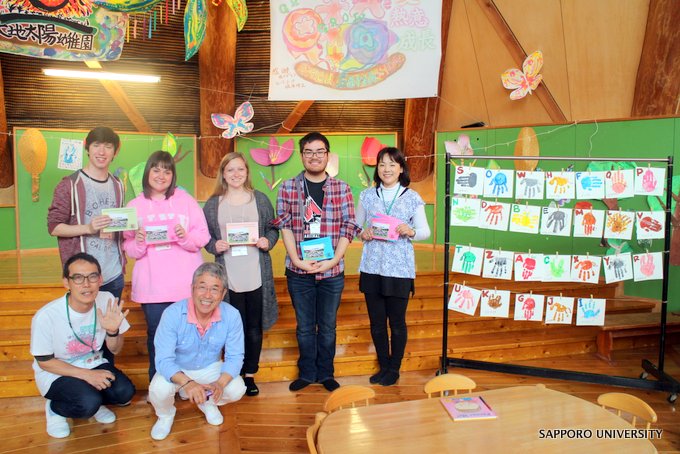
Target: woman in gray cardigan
232,213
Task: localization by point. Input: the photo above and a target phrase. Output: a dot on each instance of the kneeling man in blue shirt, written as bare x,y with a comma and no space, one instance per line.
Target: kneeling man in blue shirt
189,341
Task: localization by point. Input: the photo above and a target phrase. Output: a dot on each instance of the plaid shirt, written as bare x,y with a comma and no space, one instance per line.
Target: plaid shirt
337,220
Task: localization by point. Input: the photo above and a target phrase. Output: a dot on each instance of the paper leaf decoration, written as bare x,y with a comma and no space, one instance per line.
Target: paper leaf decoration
135,175
32,149
333,166
169,144
236,125
127,6
370,148
525,81
240,11
274,155
195,19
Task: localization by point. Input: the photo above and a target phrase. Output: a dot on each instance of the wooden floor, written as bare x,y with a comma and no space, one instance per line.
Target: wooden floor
276,420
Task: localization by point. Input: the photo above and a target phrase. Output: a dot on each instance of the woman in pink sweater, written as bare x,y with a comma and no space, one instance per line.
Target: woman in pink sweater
167,245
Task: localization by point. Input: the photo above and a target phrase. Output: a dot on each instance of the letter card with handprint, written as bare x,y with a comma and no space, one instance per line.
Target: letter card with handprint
618,225
525,218
590,311
650,180
498,264
529,185
529,267
585,268
468,180
650,225
556,221
465,212
499,183
529,307
588,223
495,303
464,299
619,184
648,266
618,267
590,185
468,260
557,268
494,215
559,310
560,185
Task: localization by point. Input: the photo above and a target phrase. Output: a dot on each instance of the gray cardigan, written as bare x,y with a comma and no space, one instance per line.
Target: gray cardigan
265,212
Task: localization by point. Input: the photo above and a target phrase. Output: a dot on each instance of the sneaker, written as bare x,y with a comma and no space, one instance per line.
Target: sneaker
374,379
104,415
389,378
212,413
298,384
251,387
161,429
57,425
330,384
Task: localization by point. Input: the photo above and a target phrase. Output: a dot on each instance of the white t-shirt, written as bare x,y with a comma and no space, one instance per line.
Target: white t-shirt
52,335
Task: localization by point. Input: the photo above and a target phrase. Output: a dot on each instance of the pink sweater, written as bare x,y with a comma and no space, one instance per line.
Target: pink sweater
163,273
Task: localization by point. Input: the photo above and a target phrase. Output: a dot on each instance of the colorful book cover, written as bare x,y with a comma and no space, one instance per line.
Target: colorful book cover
384,227
317,249
121,219
241,233
467,408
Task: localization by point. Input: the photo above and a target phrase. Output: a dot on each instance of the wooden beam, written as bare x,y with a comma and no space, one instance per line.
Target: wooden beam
657,88
518,55
294,117
6,170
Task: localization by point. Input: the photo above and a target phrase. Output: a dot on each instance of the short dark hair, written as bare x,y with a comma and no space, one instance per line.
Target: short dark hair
102,134
397,156
164,160
311,137
84,256
214,269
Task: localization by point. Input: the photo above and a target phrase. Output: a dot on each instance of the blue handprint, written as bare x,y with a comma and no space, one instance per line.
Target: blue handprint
591,182
500,184
587,309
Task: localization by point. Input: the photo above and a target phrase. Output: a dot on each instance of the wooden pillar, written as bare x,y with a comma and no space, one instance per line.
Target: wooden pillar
6,171
217,66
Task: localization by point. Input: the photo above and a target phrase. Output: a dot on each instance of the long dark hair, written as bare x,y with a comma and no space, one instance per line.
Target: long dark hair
397,156
164,160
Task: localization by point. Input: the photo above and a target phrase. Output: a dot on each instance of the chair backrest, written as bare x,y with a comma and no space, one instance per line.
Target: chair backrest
313,430
449,382
627,403
347,395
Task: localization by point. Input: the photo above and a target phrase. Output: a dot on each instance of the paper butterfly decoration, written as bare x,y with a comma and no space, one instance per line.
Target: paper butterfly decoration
236,125
525,81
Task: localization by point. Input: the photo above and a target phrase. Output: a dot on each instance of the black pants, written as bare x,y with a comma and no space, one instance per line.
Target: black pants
382,309
249,305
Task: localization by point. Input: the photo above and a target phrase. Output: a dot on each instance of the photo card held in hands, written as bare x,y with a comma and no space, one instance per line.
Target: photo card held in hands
495,303
467,260
464,299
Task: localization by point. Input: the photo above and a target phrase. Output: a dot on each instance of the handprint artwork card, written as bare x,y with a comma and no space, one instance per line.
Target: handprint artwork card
650,180
585,268
590,185
590,311
650,225
494,215
465,211
556,221
529,307
525,218
648,266
464,299
588,223
557,268
498,264
468,180
529,185
560,185
499,183
619,183
529,267
617,267
467,259
618,225
559,310
494,303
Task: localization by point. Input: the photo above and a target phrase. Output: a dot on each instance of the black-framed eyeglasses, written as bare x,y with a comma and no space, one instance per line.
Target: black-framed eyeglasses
314,153
80,278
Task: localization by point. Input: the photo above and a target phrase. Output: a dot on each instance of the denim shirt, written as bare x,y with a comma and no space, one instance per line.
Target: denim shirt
180,347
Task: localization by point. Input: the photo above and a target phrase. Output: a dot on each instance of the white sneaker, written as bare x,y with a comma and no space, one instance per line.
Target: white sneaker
104,416
212,413
57,425
161,429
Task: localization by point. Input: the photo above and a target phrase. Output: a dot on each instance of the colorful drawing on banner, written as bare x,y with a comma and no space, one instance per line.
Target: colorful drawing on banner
650,225
525,218
524,81
588,223
70,154
529,267
530,185
556,221
468,180
240,10
617,267
494,215
619,183
465,211
464,299
498,183
494,303
195,21
236,125
590,311
529,307
585,268
559,310
468,260
557,268
619,225
590,185
648,266
560,185
498,264
650,180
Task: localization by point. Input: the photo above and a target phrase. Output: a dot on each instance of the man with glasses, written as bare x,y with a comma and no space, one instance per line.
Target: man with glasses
315,209
189,341
67,337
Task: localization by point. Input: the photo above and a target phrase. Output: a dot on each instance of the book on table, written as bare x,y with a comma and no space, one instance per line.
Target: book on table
468,408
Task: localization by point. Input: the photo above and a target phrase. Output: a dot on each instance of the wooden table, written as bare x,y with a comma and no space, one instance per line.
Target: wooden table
424,426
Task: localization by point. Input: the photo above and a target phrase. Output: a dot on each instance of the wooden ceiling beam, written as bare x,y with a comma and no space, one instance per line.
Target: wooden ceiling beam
6,170
518,56
294,117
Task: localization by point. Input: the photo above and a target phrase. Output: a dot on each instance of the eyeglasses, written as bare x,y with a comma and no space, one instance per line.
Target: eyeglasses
80,278
315,153
214,291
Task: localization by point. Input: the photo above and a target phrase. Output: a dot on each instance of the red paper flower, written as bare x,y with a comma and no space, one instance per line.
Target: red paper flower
369,151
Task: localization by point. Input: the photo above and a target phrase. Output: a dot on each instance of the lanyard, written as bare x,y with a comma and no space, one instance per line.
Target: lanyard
94,330
382,194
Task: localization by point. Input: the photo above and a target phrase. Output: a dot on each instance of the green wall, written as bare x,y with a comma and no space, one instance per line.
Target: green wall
8,239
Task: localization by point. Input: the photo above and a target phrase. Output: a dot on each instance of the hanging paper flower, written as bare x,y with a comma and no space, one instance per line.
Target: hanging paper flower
369,151
272,156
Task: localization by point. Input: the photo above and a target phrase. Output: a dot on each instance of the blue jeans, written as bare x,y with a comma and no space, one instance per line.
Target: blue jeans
316,307
152,314
115,287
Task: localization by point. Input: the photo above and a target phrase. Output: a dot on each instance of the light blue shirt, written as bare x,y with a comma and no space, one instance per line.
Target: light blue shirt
179,346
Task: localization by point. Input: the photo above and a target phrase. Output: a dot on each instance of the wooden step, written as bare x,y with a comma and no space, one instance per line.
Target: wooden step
639,329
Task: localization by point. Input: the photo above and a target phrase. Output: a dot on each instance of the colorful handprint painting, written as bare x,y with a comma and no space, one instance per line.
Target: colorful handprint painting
499,183
464,299
650,225
589,185
494,215
529,306
529,185
650,180
619,184
556,221
529,267
467,260
585,268
465,212
618,225
525,218
494,303
618,267
560,185
590,311
468,180
648,266
557,268
559,310
588,223
498,264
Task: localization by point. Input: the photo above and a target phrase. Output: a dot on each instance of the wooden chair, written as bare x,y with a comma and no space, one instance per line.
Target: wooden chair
313,430
449,382
347,395
627,403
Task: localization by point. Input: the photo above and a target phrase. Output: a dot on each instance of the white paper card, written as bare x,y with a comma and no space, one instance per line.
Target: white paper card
529,267
464,299
617,267
498,264
529,185
588,223
465,211
498,183
495,303
560,185
648,266
494,215
70,154
650,180
468,180
619,225
559,310
468,260
556,221
525,218
650,225
619,184
590,311
557,268
585,268
529,307
590,185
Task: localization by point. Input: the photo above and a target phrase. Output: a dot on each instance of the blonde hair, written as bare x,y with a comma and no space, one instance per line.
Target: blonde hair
221,186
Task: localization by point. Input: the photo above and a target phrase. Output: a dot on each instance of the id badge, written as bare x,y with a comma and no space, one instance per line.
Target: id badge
238,250
162,247
105,235
315,229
